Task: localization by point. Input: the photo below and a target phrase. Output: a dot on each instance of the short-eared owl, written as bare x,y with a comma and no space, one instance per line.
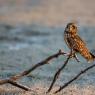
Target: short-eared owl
75,43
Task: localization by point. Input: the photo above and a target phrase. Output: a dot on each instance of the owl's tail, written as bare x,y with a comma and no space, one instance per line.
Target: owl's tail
92,58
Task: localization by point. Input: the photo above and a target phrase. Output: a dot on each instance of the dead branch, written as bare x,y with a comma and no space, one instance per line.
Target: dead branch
57,73
76,77
12,80
70,55
46,61
4,81
18,85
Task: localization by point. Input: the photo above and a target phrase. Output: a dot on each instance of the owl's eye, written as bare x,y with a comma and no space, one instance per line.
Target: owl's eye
73,27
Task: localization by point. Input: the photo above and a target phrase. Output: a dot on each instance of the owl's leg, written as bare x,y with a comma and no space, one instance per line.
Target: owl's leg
77,59
73,55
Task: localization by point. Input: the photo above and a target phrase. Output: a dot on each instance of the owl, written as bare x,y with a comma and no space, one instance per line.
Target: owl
75,43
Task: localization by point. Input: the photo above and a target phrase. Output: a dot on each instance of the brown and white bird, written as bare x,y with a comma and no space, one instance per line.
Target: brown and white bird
75,43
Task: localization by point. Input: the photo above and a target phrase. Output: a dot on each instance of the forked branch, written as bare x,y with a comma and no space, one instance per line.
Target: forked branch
12,80
57,73
76,77
46,61
71,55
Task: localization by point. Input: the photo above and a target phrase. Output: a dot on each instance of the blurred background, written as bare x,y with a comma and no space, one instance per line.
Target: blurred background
48,12
31,30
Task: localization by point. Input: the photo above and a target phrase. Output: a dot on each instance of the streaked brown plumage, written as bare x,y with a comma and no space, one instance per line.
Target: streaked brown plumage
75,43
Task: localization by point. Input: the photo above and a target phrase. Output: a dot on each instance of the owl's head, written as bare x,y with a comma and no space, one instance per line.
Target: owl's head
71,28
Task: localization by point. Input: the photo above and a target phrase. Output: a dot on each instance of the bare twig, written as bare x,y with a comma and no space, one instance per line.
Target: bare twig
76,77
58,72
70,55
12,80
18,85
4,81
46,61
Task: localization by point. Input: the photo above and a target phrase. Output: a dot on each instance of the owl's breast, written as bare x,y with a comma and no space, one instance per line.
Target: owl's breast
69,39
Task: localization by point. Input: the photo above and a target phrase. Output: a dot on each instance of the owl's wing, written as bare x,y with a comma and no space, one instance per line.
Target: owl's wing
79,39
75,42
79,45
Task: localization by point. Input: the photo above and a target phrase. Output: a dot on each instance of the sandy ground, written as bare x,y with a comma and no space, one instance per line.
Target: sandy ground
41,90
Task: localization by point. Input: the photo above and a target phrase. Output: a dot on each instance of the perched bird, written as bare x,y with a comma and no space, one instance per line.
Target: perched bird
75,43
